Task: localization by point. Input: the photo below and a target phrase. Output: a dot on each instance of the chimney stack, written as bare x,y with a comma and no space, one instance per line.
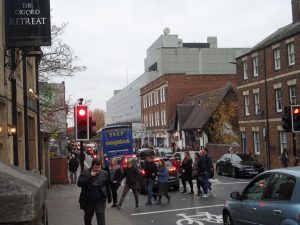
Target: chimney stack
296,10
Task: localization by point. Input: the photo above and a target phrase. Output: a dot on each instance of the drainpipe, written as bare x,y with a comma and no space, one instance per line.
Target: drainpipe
14,106
268,154
26,135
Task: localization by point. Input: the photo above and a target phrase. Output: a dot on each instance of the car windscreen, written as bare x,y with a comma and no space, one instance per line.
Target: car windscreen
242,157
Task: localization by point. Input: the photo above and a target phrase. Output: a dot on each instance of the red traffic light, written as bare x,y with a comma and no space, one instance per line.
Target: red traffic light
296,111
81,112
81,116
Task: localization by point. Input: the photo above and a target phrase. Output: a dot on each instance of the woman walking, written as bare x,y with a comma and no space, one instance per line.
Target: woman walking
186,172
162,174
115,178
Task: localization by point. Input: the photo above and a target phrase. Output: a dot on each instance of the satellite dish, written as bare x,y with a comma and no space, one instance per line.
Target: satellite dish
166,30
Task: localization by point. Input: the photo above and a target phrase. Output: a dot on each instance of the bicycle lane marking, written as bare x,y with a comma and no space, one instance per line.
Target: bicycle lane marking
198,218
174,210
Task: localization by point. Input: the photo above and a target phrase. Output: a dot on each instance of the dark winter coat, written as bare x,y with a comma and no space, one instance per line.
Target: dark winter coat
73,164
116,177
87,183
131,175
150,169
205,165
187,168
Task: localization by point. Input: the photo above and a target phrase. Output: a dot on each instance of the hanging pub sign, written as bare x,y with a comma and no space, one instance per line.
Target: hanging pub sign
27,23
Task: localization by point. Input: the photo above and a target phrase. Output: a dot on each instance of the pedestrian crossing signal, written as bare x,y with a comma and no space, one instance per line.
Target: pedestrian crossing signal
295,118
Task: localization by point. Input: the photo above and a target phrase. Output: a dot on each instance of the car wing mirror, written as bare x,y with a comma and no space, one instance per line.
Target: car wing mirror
236,196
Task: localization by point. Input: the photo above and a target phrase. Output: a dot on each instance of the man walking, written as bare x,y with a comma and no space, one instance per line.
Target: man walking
73,166
131,174
204,170
150,174
95,190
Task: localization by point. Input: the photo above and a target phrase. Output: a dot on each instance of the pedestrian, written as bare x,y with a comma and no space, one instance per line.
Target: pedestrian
95,190
115,178
73,167
150,169
284,158
162,174
186,172
81,160
195,171
131,175
204,169
211,170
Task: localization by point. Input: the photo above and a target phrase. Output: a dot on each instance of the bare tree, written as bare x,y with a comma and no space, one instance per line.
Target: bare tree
58,60
99,117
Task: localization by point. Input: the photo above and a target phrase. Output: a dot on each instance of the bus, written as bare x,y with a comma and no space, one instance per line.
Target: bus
114,141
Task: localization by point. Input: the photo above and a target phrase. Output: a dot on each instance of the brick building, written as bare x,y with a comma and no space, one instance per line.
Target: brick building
268,80
161,96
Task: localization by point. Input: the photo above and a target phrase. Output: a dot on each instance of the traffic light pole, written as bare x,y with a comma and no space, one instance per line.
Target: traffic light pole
294,148
82,155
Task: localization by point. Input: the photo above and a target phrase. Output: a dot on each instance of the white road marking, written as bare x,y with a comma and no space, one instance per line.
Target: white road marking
232,183
174,210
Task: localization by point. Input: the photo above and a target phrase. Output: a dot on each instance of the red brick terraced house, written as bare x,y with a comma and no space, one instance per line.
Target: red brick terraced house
268,79
161,96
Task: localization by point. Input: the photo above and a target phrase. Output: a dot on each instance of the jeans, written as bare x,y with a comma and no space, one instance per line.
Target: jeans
91,208
73,176
204,182
149,186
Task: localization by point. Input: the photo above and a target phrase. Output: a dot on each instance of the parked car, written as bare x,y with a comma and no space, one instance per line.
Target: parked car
271,198
238,165
173,179
125,159
167,152
177,158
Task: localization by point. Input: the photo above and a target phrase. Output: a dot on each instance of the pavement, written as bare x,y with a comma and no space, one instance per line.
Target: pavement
63,208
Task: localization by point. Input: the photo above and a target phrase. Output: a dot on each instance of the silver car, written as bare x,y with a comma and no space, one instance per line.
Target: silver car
271,198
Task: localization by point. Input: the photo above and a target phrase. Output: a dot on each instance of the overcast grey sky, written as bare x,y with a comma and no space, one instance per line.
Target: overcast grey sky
111,36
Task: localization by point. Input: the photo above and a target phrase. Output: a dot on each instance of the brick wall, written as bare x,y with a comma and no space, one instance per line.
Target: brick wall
181,86
217,150
267,99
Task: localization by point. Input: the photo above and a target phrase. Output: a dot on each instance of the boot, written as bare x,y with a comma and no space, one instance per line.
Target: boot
159,200
168,197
